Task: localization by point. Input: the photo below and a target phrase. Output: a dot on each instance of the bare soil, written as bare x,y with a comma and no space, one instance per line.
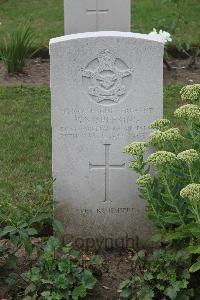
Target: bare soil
117,267
36,73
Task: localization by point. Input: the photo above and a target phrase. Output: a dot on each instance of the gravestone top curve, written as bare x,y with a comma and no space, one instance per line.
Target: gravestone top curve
106,34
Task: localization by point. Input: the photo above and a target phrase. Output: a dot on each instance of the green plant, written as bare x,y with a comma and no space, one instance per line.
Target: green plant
176,164
178,15
19,235
162,274
17,231
60,273
34,207
17,48
169,179
192,51
12,238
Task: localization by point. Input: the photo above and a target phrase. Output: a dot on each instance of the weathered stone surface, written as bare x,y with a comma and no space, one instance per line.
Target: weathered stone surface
106,89
96,15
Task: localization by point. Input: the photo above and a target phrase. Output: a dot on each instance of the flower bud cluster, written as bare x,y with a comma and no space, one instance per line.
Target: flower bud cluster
191,92
162,159
170,135
136,148
188,112
161,124
191,191
144,180
188,156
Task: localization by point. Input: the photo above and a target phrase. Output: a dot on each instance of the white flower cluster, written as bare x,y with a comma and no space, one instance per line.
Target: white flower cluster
191,92
170,135
144,180
164,35
191,191
162,159
135,148
188,156
188,112
161,124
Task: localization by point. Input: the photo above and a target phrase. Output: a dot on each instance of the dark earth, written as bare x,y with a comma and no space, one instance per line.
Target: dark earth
37,72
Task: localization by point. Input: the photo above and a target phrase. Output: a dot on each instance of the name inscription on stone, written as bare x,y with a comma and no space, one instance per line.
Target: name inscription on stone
107,122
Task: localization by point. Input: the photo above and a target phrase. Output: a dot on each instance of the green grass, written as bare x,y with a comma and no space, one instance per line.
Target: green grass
25,151
46,18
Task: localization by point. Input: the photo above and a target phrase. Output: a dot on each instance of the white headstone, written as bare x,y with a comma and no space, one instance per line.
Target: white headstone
96,15
107,88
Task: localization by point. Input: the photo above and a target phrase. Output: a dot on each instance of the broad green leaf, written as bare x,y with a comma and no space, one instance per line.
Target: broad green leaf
194,249
67,248
88,279
58,227
32,231
79,291
11,261
171,218
96,260
64,265
47,281
171,292
41,217
30,289
195,230
148,276
62,281
12,279
15,239
26,242
74,253
157,237
46,294
34,274
22,225
124,284
139,255
125,293
6,230
146,293
195,267
52,244
177,235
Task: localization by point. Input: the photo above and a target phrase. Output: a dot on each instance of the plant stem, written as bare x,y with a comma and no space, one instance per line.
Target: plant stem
173,202
150,198
190,172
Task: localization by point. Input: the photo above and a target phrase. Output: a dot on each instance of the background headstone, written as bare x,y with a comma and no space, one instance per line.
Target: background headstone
107,88
97,15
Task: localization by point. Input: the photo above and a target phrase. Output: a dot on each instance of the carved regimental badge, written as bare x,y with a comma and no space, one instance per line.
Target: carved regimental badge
107,79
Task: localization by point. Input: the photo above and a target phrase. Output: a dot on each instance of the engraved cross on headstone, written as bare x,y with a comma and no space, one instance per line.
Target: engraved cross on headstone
107,168
97,11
